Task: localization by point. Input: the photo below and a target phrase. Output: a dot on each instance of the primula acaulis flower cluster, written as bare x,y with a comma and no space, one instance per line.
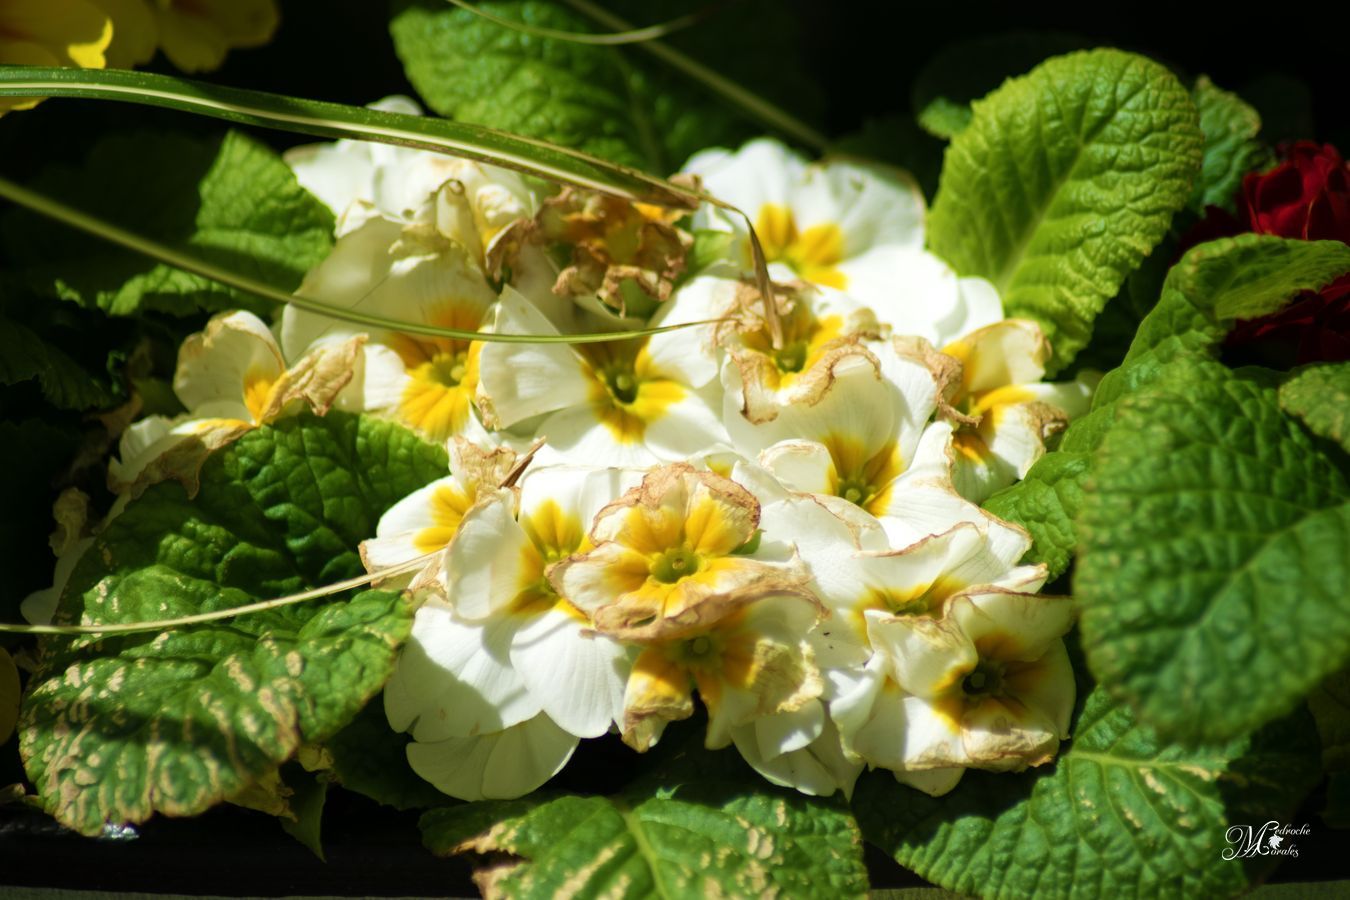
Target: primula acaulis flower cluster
772,515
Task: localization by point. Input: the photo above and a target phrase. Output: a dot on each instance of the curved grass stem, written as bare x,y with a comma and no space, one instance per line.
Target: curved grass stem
218,615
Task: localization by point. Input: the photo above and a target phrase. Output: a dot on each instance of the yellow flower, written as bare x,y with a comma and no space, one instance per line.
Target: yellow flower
134,32
52,33
196,34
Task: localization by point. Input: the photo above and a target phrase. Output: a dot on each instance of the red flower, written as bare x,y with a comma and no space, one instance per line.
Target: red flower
1307,197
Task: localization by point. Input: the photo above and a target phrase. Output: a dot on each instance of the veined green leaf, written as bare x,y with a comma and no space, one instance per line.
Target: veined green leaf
115,729
1320,396
1063,182
1215,552
1212,286
695,832
614,39
1217,283
334,120
598,99
227,199
1232,150
24,356
1120,814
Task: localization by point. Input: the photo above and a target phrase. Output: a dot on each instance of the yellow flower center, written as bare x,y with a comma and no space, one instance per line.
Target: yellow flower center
627,393
449,503
671,566
257,393
554,534
814,254
861,479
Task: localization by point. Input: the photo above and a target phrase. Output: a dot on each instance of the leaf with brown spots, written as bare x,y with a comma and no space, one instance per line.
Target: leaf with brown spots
119,728
1120,814
711,829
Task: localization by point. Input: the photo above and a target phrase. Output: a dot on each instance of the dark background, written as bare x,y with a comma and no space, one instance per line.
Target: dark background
864,56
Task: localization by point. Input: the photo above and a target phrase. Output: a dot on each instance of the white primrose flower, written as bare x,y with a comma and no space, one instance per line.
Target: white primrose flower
406,272
680,538
506,666
497,570
472,203
1002,412
631,402
816,329
952,606
232,377
426,520
844,225
865,440
745,652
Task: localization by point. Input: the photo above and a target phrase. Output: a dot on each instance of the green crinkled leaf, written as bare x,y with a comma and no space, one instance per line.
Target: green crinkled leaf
472,70
1203,294
1217,283
1120,814
1230,127
1064,181
1043,503
25,356
694,831
1320,397
116,729
617,103
228,200
1215,552
967,70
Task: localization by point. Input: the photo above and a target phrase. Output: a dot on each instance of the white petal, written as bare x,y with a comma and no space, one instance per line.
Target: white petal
454,679
933,782
801,465
499,766
221,363
484,564
762,171
687,427
927,657
788,731
578,491
819,769
1027,625
578,676
873,204
525,380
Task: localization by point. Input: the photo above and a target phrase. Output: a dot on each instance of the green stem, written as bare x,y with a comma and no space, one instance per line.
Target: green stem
334,120
327,590
100,228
